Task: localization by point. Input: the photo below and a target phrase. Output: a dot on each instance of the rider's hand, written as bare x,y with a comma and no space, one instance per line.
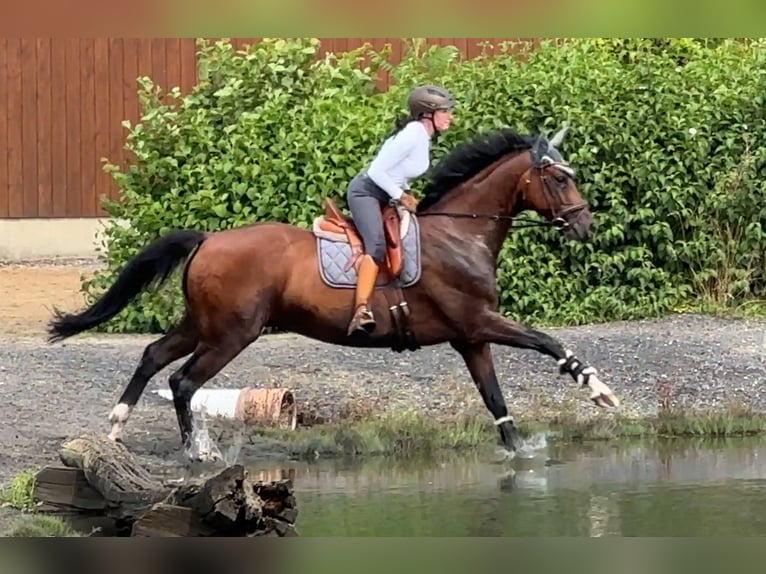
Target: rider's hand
408,201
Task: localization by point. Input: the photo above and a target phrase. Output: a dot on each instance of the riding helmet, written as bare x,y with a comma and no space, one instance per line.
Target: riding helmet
428,99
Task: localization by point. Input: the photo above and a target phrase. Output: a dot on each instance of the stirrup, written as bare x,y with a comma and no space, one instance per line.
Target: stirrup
363,321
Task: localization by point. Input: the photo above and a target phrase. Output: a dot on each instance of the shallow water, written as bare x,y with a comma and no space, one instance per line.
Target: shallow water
673,488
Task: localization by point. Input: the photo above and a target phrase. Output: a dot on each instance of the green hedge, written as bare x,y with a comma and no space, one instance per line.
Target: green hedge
667,137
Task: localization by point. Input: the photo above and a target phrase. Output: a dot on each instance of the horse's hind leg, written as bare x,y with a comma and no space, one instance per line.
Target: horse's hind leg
478,359
211,355
178,343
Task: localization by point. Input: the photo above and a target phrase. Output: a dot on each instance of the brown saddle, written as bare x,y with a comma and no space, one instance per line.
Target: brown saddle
335,223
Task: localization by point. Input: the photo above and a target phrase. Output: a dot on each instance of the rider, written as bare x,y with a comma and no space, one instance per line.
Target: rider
404,156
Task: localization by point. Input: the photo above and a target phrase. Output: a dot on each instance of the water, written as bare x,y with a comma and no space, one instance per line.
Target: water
674,488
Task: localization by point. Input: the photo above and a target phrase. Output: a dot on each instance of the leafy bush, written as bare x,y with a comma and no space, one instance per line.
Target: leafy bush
665,135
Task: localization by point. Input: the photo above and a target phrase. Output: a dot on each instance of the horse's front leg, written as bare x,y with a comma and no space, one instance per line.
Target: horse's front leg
494,328
478,359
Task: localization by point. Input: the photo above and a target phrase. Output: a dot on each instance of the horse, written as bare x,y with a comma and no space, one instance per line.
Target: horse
438,285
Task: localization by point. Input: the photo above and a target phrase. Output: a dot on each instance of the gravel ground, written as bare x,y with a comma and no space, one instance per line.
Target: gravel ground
51,392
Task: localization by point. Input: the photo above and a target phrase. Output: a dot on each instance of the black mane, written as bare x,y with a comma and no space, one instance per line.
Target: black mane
468,159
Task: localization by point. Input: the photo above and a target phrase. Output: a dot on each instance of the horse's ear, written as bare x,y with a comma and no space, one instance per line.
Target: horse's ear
559,137
539,149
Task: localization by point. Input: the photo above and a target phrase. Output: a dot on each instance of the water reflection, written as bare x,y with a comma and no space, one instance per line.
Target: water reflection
677,488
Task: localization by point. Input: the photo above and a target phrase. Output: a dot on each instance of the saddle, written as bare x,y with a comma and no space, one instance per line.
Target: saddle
337,226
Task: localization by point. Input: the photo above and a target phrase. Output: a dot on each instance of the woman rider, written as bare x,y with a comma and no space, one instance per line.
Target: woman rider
404,156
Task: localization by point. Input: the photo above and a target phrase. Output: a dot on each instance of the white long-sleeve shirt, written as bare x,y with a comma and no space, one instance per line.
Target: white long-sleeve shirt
401,158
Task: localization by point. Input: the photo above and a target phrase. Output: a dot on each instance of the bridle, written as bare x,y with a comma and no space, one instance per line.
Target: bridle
558,216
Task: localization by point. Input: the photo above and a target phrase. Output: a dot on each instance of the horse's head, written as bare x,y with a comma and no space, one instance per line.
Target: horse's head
548,187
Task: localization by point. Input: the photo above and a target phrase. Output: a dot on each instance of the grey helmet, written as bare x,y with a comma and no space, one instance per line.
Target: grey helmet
428,99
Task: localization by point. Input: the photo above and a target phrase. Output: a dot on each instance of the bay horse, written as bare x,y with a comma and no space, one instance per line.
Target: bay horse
236,282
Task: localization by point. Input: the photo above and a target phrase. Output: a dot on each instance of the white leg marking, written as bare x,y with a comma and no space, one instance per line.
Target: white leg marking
600,394
118,417
567,354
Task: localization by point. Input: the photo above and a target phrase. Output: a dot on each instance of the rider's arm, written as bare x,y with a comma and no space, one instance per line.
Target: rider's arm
388,160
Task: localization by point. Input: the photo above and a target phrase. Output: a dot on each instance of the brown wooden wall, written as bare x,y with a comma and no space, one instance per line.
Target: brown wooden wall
62,101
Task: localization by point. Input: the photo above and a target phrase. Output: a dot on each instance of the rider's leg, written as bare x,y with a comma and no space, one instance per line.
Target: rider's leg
367,213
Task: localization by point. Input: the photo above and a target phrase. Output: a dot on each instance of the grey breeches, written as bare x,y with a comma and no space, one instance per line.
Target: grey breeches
366,201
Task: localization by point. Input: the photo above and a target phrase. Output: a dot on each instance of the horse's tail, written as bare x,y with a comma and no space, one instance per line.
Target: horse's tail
152,265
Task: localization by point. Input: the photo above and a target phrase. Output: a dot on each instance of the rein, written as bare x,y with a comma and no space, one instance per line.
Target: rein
558,222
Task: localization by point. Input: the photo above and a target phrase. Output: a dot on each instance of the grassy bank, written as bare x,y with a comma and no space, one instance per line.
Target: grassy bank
19,496
415,434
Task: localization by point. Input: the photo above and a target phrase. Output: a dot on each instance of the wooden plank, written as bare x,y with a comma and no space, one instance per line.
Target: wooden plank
378,44
60,475
118,103
396,55
168,520
63,489
129,87
29,126
188,64
101,64
15,134
462,45
59,148
74,207
172,64
158,64
129,73
89,159
144,62
3,129
44,127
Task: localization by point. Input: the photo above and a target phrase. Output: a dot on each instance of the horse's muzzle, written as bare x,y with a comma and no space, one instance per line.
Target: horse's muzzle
579,225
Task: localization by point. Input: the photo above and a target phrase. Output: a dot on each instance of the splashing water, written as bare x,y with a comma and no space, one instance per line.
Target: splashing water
232,452
534,447
535,444
203,446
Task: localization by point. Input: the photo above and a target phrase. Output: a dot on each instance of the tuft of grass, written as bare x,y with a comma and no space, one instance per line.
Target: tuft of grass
753,308
729,422
42,526
670,422
20,493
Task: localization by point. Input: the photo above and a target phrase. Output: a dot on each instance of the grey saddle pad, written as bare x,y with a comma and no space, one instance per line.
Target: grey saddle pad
335,255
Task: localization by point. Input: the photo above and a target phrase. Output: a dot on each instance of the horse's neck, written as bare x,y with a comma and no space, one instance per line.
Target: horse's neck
491,192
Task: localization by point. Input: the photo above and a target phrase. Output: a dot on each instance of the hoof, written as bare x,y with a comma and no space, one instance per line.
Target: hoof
509,437
601,394
505,454
115,435
203,457
606,401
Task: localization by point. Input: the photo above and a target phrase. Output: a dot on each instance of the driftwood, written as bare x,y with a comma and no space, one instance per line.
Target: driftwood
102,484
